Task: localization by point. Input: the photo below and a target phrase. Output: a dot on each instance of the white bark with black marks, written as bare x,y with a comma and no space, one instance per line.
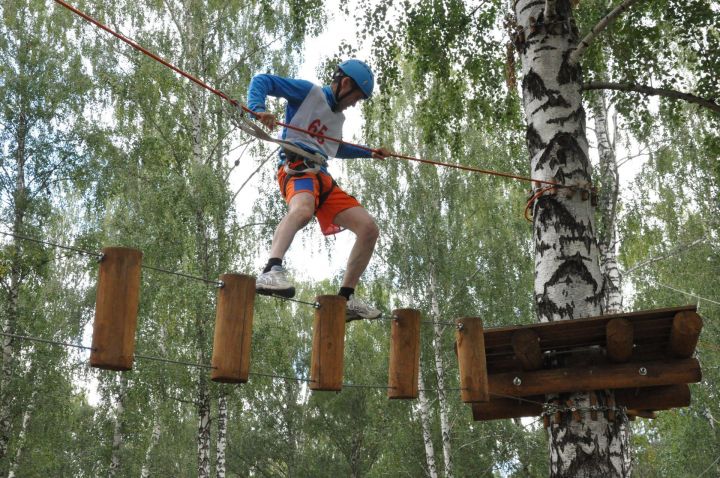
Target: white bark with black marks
203,433
15,464
607,207
425,423
597,29
117,432
568,282
154,440
221,436
440,372
607,234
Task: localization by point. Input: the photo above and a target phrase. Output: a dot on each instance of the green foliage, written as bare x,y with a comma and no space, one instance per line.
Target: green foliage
119,150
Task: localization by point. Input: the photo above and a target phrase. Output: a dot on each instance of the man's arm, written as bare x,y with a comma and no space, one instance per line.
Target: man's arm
348,151
264,85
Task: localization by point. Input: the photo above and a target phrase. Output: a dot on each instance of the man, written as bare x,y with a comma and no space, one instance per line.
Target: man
306,185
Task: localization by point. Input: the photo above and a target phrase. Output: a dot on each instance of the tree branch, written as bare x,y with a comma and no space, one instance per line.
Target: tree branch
254,173
597,29
649,90
677,250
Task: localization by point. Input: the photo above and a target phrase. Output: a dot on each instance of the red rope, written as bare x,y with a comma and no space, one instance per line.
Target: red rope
237,104
540,192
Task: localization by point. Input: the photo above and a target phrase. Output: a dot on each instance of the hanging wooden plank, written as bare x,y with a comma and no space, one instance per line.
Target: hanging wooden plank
326,367
620,337
404,354
471,360
686,327
116,306
609,376
526,345
233,329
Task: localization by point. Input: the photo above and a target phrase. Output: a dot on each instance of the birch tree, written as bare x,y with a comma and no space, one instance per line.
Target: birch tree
550,47
41,143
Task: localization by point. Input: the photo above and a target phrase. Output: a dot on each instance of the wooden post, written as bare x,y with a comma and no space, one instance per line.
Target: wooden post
526,345
606,376
508,408
404,354
642,414
233,329
326,367
648,398
684,334
116,306
471,360
654,398
619,334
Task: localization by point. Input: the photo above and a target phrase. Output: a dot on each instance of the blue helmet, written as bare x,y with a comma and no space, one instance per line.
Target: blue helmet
361,73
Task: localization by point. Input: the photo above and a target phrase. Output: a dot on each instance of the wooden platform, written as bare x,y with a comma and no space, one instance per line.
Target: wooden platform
646,356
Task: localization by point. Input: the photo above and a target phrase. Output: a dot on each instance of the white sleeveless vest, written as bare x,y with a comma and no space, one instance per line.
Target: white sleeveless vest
315,115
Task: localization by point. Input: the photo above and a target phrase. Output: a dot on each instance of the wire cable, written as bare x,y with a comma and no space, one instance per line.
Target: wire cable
314,305
210,367
689,294
393,318
176,362
48,243
218,284
45,341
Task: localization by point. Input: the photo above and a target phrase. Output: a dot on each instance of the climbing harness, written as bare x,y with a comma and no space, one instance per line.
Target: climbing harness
313,161
295,164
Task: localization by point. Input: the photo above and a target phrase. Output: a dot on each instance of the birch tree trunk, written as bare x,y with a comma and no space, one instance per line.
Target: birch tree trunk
607,206
203,433
20,200
568,281
117,433
15,464
424,407
154,440
440,371
221,436
193,39
607,234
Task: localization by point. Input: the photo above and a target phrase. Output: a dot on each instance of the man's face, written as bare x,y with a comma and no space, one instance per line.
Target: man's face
354,94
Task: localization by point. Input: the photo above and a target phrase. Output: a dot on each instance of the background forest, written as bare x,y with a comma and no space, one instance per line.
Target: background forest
100,146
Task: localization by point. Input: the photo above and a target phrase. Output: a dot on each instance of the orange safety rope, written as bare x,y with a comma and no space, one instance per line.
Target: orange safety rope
534,198
244,108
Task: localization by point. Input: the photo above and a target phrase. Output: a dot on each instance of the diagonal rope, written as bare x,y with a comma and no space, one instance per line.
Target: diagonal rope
256,131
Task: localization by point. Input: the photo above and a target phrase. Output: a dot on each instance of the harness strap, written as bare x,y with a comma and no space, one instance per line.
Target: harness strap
322,195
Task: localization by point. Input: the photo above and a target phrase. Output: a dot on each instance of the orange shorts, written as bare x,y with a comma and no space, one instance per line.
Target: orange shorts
321,186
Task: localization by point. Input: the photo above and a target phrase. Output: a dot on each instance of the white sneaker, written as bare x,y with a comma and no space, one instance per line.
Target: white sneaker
357,309
275,282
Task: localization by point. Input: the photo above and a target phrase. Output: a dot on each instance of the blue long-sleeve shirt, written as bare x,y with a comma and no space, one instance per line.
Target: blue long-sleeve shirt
294,91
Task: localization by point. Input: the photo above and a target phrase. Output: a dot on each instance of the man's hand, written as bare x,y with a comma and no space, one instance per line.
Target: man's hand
382,153
267,119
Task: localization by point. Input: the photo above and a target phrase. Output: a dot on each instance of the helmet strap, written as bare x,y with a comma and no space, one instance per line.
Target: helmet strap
338,79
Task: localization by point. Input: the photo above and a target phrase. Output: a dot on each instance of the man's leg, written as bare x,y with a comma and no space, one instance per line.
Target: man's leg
301,210
273,280
366,232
